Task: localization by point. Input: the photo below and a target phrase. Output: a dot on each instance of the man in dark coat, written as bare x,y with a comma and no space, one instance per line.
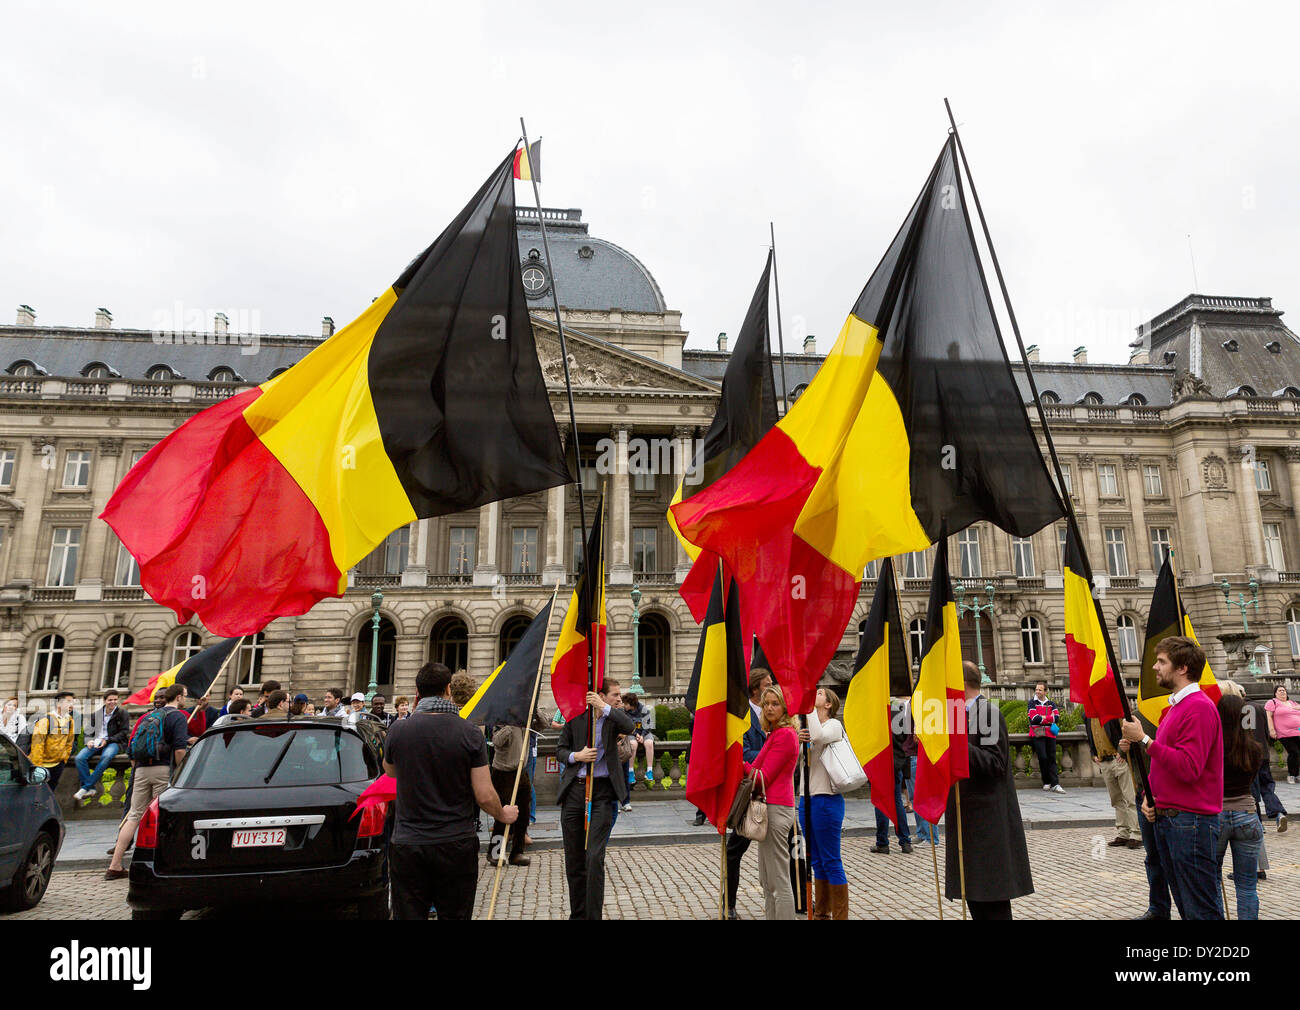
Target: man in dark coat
993,837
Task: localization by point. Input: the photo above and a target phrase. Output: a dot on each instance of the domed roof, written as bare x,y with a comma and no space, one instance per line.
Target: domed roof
590,273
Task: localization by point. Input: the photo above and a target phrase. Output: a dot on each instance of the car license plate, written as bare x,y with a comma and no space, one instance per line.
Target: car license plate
251,839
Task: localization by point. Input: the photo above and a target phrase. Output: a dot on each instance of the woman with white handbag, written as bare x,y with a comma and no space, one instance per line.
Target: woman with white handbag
826,734
773,771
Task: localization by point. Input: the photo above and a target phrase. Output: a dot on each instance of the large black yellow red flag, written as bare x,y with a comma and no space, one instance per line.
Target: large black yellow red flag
195,674
430,402
1092,682
506,696
583,628
913,419
719,696
528,162
1166,617
939,701
879,673
746,412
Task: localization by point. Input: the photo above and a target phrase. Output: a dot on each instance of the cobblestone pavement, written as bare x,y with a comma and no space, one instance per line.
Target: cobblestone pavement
1076,875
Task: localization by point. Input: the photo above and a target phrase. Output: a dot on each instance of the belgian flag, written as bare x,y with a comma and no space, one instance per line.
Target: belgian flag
746,412
939,701
1166,617
1092,682
719,697
506,696
583,628
914,419
196,674
879,673
528,162
430,402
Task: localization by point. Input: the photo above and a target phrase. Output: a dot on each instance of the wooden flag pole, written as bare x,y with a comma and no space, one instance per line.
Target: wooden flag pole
1223,889
592,635
222,669
961,855
523,754
722,879
934,859
780,339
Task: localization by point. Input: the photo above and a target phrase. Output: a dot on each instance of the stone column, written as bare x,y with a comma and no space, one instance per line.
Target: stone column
489,523
417,555
620,568
1253,531
93,563
1194,537
555,572
1137,506
1090,525
684,454
1292,455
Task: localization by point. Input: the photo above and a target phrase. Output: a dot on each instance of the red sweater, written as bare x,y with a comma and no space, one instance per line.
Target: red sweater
776,761
1187,756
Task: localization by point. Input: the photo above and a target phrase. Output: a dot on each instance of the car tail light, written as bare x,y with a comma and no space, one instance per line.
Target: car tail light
146,835
372,821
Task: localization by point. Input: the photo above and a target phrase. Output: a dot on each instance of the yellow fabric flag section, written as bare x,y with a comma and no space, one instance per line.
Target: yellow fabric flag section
866,708
483,689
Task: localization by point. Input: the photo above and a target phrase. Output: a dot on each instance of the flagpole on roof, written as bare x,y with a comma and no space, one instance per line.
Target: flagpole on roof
573,421
780,339
1070,516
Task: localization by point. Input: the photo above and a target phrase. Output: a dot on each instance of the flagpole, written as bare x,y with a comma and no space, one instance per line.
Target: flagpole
523,754
722,879
961,854
593,632
573,425
801,848
1071,519
780,340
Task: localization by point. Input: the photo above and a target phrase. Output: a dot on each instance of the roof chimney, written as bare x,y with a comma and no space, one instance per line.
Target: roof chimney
722,341
220,324
1081,355
810,344
1140,356
26,315
103,319
327,326
1031,352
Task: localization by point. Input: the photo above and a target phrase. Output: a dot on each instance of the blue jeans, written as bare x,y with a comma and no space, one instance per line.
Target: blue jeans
824,838
1243,831
106,754
924,829
882,822
1188,845
1158,901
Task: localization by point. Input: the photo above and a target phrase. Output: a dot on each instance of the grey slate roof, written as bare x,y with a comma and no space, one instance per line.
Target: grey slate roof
712,365
1113,383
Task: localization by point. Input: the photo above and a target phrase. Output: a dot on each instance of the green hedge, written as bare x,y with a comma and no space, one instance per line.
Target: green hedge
669,719
679,734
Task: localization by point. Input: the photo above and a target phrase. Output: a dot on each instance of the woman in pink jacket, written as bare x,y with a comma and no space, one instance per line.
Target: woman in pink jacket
775,764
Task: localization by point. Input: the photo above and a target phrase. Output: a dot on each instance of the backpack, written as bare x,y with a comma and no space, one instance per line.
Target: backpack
24,740
148,739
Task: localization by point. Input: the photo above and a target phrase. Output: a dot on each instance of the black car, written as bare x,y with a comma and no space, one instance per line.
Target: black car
261,813
31,830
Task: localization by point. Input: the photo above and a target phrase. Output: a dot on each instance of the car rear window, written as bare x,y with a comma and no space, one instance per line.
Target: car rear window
283,755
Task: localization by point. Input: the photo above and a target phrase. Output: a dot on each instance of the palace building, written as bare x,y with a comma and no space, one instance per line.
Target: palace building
1192,445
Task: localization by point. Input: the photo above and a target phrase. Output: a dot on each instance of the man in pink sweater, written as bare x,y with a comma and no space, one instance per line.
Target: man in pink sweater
1187,780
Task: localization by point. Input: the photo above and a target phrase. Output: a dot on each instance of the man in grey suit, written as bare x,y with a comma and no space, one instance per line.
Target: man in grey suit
584,852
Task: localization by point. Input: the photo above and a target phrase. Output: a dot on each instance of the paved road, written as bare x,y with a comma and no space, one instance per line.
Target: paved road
1076,875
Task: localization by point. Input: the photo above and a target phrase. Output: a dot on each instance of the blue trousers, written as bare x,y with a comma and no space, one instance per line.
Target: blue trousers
532,788
106,754
1243,831
824,837
924,829
1158,900
1188,845
882,822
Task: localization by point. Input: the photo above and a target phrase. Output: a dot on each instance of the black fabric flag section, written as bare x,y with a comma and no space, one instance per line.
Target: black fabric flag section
505,697
199,671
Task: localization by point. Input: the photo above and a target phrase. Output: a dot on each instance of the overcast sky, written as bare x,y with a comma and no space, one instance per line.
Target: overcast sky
281,162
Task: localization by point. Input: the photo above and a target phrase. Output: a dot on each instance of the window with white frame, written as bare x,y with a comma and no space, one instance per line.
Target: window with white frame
916,639
1273,546
1031,640
62,570
1263,476
872,571
47,663
1153,485
523,550
76,468
1293,630
575,551
590,478
8,460
463,550
117,662
915,565
1126,632
1022,556
127,572
1062,532
1068,477
968,553
1107,484
1116,552
643,481
644,541
1160,546
250,659
187,644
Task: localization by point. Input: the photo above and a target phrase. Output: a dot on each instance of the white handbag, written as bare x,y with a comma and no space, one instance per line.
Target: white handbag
842,766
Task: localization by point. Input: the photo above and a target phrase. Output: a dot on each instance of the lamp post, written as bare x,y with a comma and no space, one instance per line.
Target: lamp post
636,640
376,600
976,608
1243,605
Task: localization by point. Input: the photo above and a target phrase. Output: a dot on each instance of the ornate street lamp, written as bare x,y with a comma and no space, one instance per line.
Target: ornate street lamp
976,608
636,638
376,600
1243,605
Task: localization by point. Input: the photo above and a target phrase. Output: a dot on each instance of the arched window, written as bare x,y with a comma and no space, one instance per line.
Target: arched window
1031,639
47,663
653,652
916,639
1290,392
1136,400
449,644
386,658
97,370
798,391
24,368
511,632
279,371
160,373
1293,630
249,670
117,662
1126,631
1093,399
223,375
1047,396
186,645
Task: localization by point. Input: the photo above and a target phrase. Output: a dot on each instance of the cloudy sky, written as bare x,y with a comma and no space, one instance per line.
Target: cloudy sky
281,162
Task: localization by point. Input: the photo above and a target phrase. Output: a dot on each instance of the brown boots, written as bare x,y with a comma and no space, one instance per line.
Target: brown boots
830,901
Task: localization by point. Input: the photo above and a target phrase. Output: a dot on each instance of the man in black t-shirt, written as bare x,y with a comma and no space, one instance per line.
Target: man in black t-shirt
441,766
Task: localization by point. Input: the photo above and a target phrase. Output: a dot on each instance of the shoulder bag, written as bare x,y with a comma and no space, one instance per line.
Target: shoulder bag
842,766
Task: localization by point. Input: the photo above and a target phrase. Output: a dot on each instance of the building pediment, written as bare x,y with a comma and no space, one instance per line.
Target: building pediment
598,364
